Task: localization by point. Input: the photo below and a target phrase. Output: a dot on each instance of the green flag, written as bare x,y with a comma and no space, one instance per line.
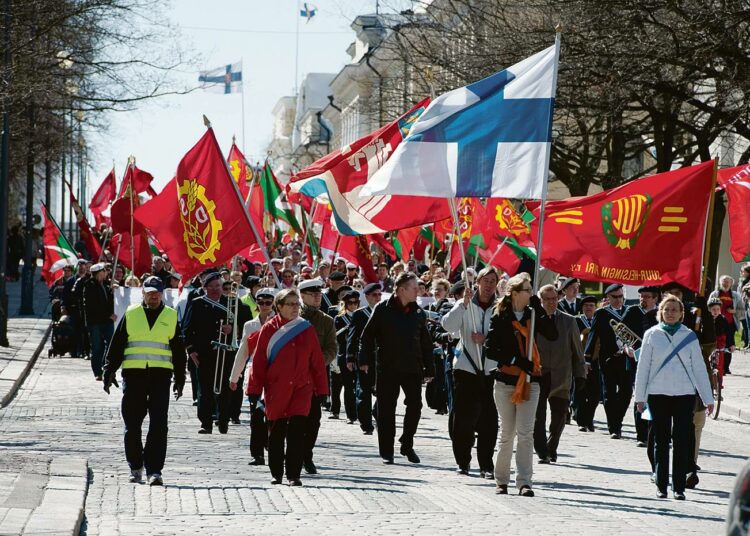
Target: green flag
274,200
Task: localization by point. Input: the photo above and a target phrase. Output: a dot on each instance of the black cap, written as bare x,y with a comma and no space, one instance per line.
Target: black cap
252,281
458,287
589,299
337,276
351,294
565,283
650,288
342,290
210,277
153,284
672,285
614,287
371,287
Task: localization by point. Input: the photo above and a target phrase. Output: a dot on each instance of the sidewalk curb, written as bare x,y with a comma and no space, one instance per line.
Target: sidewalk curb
26,367
737,413
64,502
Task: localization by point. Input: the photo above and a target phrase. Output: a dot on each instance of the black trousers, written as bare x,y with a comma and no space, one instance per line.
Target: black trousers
146,391
474,411
310,430
258,432
543,445
587,399
364,400
194,381
207,400
618,390
435,392
345,380
672,418
286,446
388,387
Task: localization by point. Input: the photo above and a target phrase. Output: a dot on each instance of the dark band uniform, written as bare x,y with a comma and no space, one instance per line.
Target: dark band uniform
201,327
587,399
365,380
148,345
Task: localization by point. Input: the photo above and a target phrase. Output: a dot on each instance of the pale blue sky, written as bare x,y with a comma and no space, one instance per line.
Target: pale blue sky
160,132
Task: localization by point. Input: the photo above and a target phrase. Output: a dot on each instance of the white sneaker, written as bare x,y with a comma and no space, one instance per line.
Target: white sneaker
155,480
136,476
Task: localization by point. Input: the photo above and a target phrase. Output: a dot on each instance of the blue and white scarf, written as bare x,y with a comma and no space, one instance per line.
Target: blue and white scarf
284,335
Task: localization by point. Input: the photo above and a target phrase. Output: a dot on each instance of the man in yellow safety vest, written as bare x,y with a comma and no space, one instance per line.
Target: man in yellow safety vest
147,344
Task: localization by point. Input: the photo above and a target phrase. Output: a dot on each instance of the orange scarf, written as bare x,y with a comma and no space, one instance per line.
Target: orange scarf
522,392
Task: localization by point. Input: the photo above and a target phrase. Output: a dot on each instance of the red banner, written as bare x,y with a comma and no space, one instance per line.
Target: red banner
736,183
199,218
648,231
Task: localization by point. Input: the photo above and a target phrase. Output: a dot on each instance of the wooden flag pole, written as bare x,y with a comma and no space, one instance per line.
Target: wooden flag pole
709,226
131,165
472,316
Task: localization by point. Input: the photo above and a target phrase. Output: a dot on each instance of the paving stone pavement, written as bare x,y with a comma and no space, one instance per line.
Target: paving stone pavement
599,485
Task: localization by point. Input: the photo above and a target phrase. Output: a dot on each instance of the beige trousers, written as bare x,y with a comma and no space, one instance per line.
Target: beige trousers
699,421
515,420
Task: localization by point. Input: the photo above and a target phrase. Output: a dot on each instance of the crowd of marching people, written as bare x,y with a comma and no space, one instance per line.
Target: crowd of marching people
298,341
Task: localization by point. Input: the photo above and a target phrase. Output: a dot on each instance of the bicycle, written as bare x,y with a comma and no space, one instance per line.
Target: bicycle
717,377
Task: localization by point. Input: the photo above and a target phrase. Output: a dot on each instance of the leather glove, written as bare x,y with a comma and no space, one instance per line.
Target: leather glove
177,390
535,302
109,381
106,385
321,399
253,399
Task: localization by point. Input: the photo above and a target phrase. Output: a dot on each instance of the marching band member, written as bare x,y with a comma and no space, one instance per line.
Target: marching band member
258,430
587,399
311,293
341,376
289,369
203,320
618,386
570,302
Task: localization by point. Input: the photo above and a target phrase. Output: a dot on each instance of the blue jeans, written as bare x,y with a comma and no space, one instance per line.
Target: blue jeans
100,335
146,391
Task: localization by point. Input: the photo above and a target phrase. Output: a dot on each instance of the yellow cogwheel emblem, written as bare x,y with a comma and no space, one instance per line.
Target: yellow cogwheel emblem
200,225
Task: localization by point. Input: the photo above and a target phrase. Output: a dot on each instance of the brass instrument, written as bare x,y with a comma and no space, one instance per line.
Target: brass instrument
626,337
226,342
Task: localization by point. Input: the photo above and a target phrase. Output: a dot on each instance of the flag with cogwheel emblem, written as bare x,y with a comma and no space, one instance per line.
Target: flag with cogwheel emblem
199,218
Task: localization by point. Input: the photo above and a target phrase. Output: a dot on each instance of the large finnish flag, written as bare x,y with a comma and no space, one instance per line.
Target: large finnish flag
489,139
226,79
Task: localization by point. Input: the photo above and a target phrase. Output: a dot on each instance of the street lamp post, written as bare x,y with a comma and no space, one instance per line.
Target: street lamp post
4,178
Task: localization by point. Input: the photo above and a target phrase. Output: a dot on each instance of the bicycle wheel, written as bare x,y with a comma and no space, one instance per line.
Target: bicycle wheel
717,393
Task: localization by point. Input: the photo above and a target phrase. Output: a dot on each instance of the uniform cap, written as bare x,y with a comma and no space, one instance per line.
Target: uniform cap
153,284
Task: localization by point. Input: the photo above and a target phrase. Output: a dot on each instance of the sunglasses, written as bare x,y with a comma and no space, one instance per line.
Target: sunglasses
265,302
292,304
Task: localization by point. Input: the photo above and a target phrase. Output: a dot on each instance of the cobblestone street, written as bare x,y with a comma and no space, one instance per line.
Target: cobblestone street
599,485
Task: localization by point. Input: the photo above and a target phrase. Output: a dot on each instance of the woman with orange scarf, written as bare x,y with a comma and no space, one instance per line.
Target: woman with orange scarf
517,378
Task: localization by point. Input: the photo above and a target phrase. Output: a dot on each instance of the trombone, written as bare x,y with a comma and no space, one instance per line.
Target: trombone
226,342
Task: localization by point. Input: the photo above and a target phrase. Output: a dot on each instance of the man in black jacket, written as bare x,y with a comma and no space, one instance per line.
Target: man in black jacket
99,315
397,334
365,378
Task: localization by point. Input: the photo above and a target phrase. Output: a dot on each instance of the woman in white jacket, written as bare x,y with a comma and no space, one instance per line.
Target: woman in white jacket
670,372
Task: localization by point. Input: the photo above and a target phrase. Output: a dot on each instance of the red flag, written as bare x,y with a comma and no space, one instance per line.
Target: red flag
89,240
134,254
344,172
134,251
406,239
58,252
199,217
736,183
256,211
646,232
501,256
141,181
356,249
103,197
239,169
322,213
500,220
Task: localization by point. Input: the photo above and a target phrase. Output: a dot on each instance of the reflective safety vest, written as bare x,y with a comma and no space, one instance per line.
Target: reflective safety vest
149,347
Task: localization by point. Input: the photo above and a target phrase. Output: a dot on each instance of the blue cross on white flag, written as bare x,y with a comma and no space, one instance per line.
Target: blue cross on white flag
227,79
308,11
489,139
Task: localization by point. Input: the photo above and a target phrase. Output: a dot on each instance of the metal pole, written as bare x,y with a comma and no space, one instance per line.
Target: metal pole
242,96
27,276
63,167
5,176
296,52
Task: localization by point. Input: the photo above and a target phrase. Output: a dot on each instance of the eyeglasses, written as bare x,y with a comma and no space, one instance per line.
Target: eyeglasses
616,296
291,304
354,301
265,302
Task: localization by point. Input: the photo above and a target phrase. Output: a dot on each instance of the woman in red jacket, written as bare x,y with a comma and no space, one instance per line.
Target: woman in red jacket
288,368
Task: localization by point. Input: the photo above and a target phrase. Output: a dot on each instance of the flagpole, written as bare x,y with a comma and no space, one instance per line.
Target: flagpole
540,232
709,225
472,316
258,240
489,262
296,52
131,165
242,96
117,258
308,225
